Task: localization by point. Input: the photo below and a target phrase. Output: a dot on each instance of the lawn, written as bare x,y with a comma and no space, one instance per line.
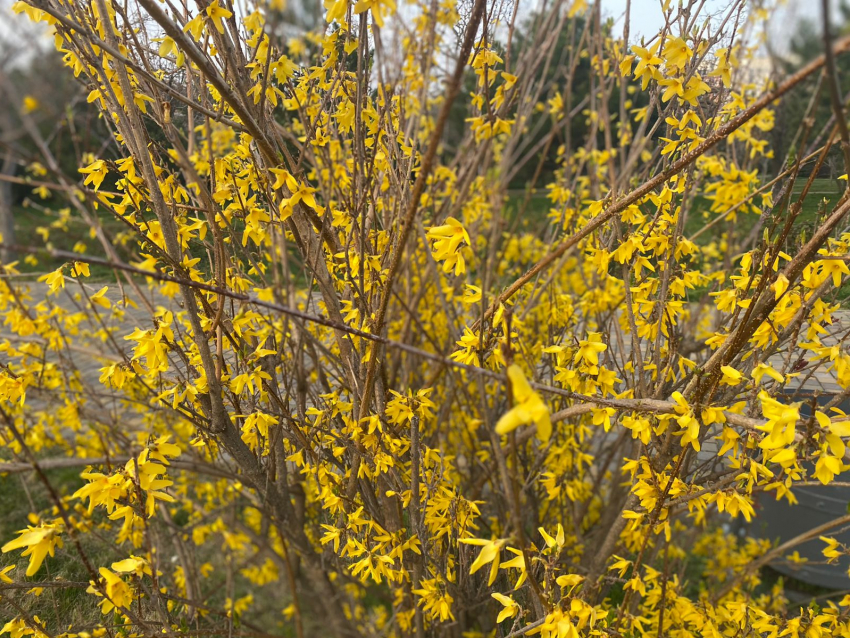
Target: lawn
820,196
56,606
44,223
64,230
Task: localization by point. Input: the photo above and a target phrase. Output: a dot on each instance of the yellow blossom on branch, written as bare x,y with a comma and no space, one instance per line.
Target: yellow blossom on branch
528,407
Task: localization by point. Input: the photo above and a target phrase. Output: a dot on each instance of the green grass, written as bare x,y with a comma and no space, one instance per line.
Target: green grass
39,224
821,196
59,607
46,224
535,215
822,193
56,607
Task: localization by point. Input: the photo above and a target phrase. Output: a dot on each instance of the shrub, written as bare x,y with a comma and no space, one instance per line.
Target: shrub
339,372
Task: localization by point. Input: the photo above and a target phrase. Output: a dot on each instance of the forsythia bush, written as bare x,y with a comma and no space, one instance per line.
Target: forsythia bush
342,381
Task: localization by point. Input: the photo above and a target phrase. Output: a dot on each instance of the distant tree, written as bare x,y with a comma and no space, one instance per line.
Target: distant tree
46,124
805,45
562,122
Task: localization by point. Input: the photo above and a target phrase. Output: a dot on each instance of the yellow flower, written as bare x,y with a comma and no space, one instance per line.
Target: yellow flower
764,369
448,240
827,467
378,8
837,427
195,27
39,541
96,172
687,421
569,580
621,565
780,285
726,63
647,63
693,89
552,542
673,87
80,269
118,593
676,52
589,350
518,562
134,564
489,554
435,600
510,608
217,13
528,407
471,295
336,10
55,280
831,551
834,268
3,574
99,299
30,104
730,375
781,422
